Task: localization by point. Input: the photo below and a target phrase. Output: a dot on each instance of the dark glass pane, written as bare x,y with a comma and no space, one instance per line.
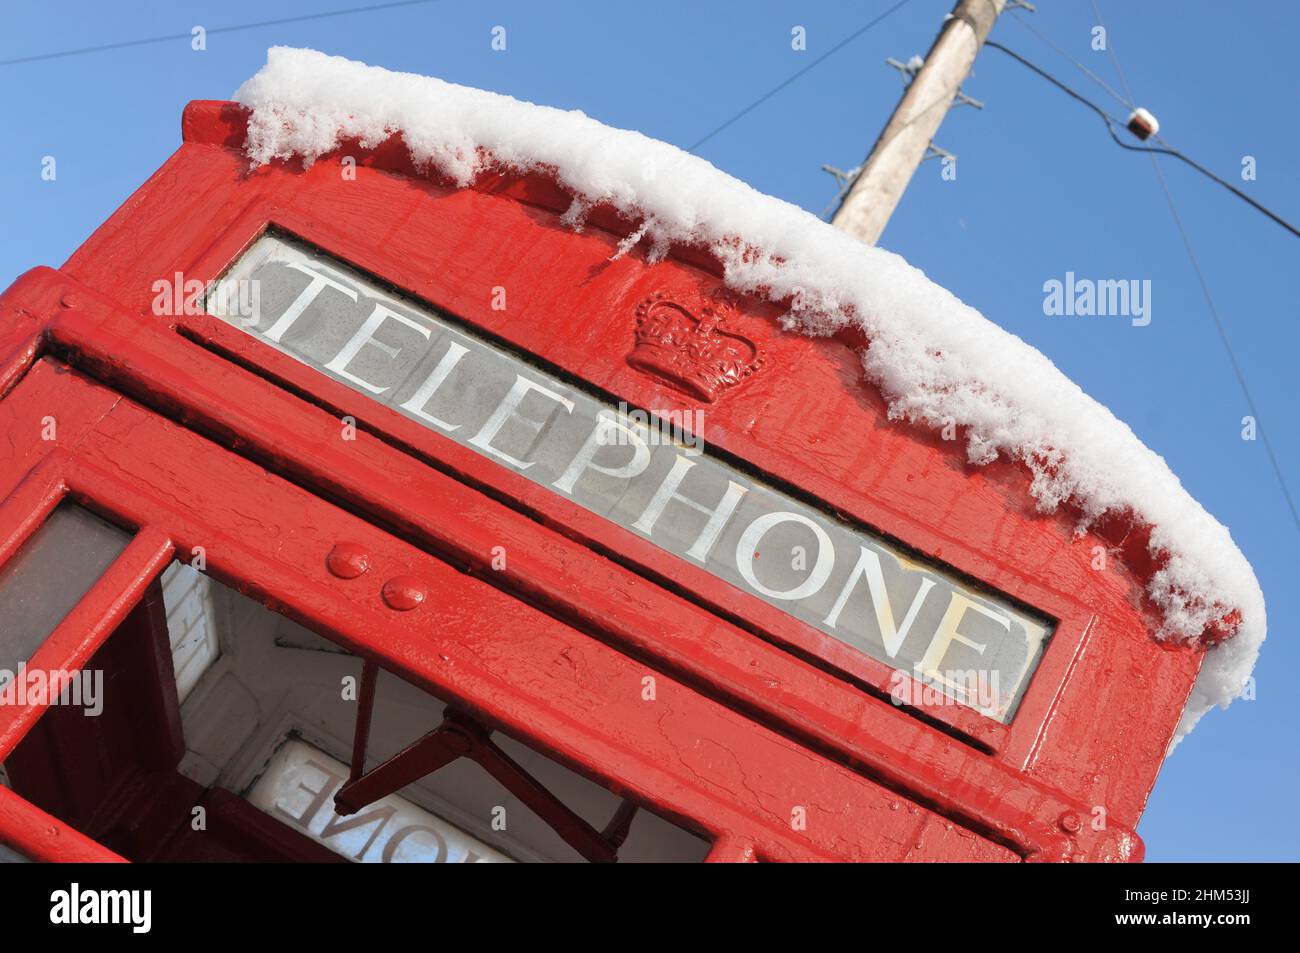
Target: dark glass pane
48,576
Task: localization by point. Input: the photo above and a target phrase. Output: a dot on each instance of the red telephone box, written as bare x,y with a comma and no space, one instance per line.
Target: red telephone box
573,551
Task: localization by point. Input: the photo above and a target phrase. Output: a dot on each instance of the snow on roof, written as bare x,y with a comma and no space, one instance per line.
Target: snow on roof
933,358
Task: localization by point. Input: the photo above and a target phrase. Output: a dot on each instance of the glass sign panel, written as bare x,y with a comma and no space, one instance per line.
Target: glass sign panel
298,789
649,474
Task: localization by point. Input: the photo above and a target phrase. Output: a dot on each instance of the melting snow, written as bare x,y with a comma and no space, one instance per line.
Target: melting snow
931,356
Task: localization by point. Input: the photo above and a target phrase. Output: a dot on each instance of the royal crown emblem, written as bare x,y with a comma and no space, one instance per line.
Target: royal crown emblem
691,348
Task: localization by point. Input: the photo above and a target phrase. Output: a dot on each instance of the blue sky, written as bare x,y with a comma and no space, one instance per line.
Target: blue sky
1041,190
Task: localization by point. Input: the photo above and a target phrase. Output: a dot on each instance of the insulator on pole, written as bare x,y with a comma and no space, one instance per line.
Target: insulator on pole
1142,124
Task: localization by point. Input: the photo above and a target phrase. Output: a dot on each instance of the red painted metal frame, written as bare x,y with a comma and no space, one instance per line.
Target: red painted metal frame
688,757
829,712
1093,726
38,836
24,827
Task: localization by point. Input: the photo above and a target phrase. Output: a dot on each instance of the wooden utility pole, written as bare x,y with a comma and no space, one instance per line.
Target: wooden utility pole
903,144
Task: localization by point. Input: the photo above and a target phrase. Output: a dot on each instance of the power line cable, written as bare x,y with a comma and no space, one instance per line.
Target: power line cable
213,31
1205,288
1111,122
1163,149
1227,346
790,79
1078,65
1110,50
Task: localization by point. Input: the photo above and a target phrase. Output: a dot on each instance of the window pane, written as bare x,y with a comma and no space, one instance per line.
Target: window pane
191,625
48,576
10,856
267,731
272,721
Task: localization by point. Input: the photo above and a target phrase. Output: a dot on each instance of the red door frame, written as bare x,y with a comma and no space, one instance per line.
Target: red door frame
1084,738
